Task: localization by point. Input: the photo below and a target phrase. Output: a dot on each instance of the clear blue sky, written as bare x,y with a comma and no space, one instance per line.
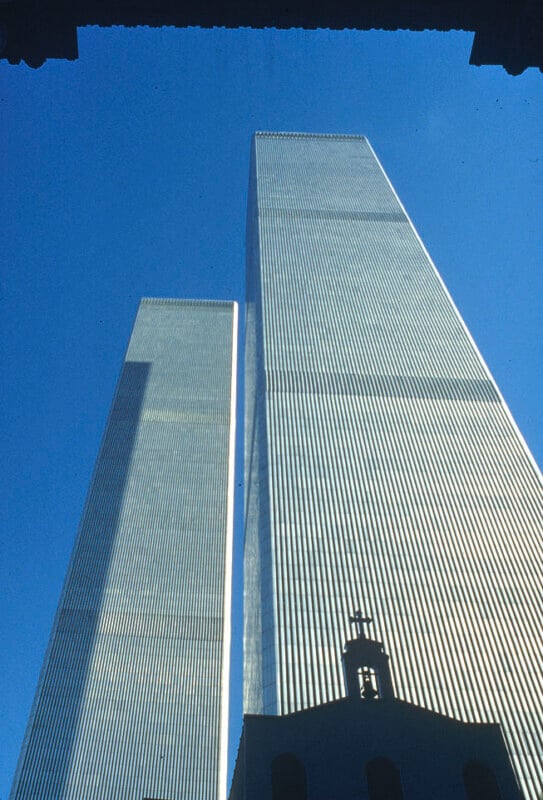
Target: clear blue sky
125,174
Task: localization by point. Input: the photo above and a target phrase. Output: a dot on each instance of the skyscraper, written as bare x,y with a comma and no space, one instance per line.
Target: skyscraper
132,701
383,468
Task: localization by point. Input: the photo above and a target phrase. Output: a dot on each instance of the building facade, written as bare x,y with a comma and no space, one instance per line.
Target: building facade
332,750
132,701
383,468
370,746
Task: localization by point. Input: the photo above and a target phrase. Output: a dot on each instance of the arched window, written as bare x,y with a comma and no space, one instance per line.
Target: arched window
480,782
383,780
288,778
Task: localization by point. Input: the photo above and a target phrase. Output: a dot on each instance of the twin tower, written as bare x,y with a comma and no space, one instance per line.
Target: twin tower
383,471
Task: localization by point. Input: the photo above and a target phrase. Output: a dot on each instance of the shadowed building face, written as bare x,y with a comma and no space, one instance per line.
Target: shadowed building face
132,700
383,469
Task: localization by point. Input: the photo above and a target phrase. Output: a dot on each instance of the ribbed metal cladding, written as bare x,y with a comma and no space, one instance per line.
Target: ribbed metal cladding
132,699
383,468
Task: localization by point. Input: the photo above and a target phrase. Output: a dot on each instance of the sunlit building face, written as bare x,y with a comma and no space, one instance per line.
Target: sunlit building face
383,469
133,697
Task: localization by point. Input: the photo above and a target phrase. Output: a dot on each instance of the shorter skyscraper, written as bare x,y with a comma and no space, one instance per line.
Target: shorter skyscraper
132,701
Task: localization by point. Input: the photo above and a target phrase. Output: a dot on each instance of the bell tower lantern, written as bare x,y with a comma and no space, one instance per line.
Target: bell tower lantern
366,665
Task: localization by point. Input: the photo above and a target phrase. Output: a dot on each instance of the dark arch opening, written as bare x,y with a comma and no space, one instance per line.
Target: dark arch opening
288,778
383,780
480,782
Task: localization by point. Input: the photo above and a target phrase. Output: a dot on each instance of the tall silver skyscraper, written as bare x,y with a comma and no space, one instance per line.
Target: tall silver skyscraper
132,701
383,468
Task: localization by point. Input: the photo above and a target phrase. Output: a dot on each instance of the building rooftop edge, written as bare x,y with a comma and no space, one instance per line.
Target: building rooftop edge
302,135
396,702
186,302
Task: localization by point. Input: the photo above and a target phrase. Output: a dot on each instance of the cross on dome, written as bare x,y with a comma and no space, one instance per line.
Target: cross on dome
359,620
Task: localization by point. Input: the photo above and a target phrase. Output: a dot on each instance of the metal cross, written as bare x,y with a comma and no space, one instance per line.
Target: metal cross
358,620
